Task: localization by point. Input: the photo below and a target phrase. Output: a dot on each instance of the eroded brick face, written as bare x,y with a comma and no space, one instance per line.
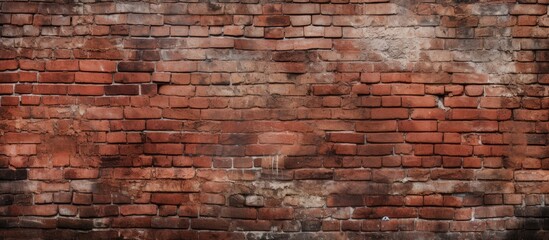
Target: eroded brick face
360,119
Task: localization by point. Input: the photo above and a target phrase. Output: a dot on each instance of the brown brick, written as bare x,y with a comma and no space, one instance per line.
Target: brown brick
271,21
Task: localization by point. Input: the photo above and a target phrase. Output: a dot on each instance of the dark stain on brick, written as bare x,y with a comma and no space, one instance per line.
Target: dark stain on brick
6,200
13,174
277,20
214,7
311,225
290,56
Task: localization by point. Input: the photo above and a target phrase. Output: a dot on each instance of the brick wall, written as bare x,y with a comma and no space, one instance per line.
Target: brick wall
262,119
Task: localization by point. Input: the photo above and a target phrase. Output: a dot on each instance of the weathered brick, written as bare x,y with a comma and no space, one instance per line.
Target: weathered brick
145,19
104,113
93,77
142,113
210,224
276,213
495,211
300,120
139,209
378,9
50,77
528,9
271,21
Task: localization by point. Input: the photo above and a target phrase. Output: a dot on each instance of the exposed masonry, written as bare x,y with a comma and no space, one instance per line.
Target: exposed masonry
320,119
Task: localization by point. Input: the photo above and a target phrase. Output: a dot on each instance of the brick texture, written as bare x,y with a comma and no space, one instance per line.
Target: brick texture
256,119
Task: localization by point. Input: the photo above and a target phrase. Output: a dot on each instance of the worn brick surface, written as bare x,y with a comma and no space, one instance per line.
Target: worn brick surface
256,119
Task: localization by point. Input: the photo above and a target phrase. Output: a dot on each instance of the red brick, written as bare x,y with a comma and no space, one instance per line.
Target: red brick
104,113
36,210
394,212
462,226
8,65
138,209
388,175
370,77
331,90
300,9
140,43
85,90
77,173
136,67
416,101
169,149
21,19
436,213
98,211
395,77
385,200
132,173
145,19
121,89
239,213
378,8
280,138
9,77
81,77
9,101
461,102
32,65
390,101
469,78
174,90
452,174
163,222
345,201
533,175
203,8
142,113
276,213
468,126
17,7
271,21
168,198
528,9
384,137
287,67
433,226
175,173
352,174
394,113
495,211
531,115
499,102
375,150
407,89
424,137
453,150
346,137
20,138
413,200
50,77
132,77
376,126
97,66
430,78
131,222
188,211
417,126
62,65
